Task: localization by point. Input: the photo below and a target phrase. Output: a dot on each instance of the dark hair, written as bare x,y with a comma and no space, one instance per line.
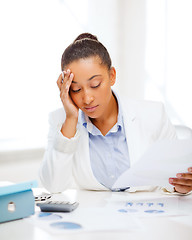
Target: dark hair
84,46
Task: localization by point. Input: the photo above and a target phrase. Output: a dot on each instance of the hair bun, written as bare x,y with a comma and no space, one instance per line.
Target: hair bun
86,36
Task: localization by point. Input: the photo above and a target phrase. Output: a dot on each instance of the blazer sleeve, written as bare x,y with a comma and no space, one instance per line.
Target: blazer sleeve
56,170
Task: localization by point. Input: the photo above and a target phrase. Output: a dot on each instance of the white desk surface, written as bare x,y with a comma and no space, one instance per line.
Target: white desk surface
158,228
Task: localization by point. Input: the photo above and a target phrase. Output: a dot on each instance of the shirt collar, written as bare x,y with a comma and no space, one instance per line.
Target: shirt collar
85,121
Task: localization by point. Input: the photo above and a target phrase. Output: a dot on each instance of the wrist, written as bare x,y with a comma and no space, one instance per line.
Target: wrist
71,119
68,128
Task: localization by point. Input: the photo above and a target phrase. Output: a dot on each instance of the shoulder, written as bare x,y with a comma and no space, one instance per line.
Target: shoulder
150,114
136,106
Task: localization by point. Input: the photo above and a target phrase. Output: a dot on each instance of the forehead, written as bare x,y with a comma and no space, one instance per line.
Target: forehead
85,68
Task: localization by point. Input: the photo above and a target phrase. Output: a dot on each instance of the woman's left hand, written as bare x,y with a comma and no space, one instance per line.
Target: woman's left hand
182,182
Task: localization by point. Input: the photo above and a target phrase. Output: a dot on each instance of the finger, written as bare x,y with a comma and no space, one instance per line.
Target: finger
67,81
184,175
67,74
68,84
63,76
180,181
71,79
182,189
62,79
64,94
59,81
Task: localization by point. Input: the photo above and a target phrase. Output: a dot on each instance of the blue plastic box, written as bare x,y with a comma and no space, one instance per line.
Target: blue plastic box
17,201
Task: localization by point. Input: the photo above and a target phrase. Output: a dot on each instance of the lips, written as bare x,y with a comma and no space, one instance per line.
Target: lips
91,109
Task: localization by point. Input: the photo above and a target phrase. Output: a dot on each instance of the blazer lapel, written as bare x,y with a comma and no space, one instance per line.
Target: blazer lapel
131,124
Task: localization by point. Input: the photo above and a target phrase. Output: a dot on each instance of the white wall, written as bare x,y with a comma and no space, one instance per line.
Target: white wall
131,33
120,26
20,166
150,46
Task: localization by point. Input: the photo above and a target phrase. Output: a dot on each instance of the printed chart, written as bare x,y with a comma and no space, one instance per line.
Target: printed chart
166,206
85,219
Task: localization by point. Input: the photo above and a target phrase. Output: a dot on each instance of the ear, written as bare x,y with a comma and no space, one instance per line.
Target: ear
112,75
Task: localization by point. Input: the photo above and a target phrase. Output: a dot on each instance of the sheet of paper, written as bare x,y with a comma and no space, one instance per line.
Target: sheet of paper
85,220
163,160
146,205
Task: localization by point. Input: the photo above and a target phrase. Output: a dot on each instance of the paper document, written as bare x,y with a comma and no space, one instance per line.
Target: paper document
146,207
85,220
163,160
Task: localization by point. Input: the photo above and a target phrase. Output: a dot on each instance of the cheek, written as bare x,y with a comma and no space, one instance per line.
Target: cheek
105,90
76,99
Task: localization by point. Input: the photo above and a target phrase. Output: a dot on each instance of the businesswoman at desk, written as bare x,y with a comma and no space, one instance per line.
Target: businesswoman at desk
97,134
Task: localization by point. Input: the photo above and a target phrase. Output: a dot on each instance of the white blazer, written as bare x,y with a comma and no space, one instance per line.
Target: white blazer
66,162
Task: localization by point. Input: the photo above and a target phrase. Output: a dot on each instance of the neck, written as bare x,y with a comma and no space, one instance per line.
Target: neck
109,119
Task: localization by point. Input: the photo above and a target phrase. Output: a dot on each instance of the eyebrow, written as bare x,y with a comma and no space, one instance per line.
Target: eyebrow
90,78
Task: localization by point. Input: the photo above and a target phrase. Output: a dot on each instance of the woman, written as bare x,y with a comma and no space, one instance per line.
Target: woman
95,137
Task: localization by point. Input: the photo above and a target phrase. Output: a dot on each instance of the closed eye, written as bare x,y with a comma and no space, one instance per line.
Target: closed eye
96,86
75,91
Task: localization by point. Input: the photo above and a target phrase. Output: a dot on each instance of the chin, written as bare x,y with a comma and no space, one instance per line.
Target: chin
93,115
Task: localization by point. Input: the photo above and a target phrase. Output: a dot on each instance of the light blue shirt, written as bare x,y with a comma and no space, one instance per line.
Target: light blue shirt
108,154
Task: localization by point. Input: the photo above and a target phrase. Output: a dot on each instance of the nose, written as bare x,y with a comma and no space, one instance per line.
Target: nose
88,97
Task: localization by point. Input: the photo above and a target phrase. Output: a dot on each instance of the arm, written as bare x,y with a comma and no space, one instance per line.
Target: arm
57,167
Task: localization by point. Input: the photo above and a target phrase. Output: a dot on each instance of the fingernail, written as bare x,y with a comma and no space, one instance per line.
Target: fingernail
179,175
170,180
71,75
190,169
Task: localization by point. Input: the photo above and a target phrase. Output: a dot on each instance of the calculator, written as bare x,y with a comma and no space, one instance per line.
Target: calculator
57,206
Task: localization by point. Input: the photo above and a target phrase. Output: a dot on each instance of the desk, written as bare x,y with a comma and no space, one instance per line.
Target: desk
158,228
